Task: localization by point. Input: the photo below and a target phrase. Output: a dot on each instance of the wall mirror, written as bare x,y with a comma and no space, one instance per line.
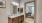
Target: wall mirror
14,9
20,10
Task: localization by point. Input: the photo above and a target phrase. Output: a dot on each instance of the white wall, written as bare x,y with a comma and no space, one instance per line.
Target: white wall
39,11
3,14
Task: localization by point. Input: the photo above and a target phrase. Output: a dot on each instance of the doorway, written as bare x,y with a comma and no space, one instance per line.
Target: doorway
29,12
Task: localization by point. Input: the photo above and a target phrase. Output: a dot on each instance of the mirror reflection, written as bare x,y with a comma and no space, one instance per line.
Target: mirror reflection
30,9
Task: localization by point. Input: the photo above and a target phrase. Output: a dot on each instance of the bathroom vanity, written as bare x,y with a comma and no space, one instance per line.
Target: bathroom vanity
16,14
18,19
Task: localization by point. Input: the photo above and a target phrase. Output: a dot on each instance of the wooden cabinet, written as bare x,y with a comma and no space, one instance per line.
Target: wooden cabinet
15,20
19,19
9,20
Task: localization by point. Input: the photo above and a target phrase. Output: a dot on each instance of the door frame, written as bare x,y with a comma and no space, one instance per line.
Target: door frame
35,10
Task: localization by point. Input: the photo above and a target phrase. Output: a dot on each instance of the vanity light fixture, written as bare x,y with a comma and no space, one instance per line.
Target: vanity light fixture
14,3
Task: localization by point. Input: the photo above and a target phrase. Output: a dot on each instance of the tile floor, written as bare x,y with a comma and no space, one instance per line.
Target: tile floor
29,20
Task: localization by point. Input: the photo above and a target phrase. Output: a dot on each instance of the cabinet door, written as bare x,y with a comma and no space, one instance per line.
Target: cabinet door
20,19
9,20
15,20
